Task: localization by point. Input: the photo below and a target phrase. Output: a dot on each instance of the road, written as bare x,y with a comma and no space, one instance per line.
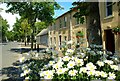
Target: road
7,58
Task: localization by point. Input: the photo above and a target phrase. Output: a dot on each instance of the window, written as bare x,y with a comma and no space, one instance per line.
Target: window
77,21
51,41
54,26
55,40
60,23
65,21
108,8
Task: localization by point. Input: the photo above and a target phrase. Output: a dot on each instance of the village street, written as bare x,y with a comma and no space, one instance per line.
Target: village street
8,58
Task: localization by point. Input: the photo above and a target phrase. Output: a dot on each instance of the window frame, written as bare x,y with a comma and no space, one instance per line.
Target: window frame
107,9
60,23
65,21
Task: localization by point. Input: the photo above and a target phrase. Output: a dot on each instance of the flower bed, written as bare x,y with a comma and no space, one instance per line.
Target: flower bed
78,64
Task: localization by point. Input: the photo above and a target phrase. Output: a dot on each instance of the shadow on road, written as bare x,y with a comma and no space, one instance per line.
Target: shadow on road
23,50
12,72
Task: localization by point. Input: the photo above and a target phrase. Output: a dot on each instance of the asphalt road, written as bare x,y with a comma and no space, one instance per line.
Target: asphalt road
8,57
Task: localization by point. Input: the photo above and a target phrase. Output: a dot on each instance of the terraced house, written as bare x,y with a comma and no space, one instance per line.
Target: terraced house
66,26
64,29
110,19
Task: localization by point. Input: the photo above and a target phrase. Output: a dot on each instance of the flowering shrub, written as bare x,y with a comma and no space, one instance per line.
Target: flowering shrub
78,63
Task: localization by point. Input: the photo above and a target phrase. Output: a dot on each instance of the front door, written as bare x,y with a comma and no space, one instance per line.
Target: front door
110,41
60,42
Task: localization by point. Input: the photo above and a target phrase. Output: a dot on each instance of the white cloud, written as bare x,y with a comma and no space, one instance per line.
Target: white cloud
8,16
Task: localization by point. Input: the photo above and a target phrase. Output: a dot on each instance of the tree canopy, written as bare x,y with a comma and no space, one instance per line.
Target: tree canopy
4,28
42,11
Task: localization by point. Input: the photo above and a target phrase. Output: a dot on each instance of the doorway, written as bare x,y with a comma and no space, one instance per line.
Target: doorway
110,41
60,42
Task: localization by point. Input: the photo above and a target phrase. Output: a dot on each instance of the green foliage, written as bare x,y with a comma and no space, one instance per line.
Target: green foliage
32,10
77,64
40,26
43,11
116,30
81,9
4,28
79,34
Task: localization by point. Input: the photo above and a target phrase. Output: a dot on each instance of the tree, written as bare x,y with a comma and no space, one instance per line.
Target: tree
10,35
43,11
4,29
40,26
17,29
90,11
25,29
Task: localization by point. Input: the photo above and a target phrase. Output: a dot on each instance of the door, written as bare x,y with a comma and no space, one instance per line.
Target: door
60,42
110,41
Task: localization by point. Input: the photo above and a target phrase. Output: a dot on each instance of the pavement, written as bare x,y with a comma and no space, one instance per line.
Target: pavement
10,53
7,68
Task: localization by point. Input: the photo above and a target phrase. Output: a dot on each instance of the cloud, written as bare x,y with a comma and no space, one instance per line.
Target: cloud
8,16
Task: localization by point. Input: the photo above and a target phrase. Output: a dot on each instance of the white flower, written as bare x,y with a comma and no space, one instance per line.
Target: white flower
100,52
67,53
88,49
97,73
70,50
66,58
82,53
70,42
48,72
24,67
83,69
49,76
100,63
36,55
108,62
79,61
90,66
60,71
22,59
71,64
51,63
111,76
42,73
60,63
103,74
26,71
26,78
115,67
91,73
72,72
65,69
22,74
56,66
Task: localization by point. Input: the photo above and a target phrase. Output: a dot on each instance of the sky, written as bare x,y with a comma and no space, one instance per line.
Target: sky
12,18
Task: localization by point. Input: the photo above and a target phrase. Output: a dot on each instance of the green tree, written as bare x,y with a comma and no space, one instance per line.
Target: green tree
25,29
43,11
90,11
4,29
40,26
10,35
16,29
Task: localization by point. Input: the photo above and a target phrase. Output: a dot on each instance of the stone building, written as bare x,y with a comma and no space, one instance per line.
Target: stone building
66,26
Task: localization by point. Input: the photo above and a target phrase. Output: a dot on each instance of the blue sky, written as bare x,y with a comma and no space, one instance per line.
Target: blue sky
65,5
9,16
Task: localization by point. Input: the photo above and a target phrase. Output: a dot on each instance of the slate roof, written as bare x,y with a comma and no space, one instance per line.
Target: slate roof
43,32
